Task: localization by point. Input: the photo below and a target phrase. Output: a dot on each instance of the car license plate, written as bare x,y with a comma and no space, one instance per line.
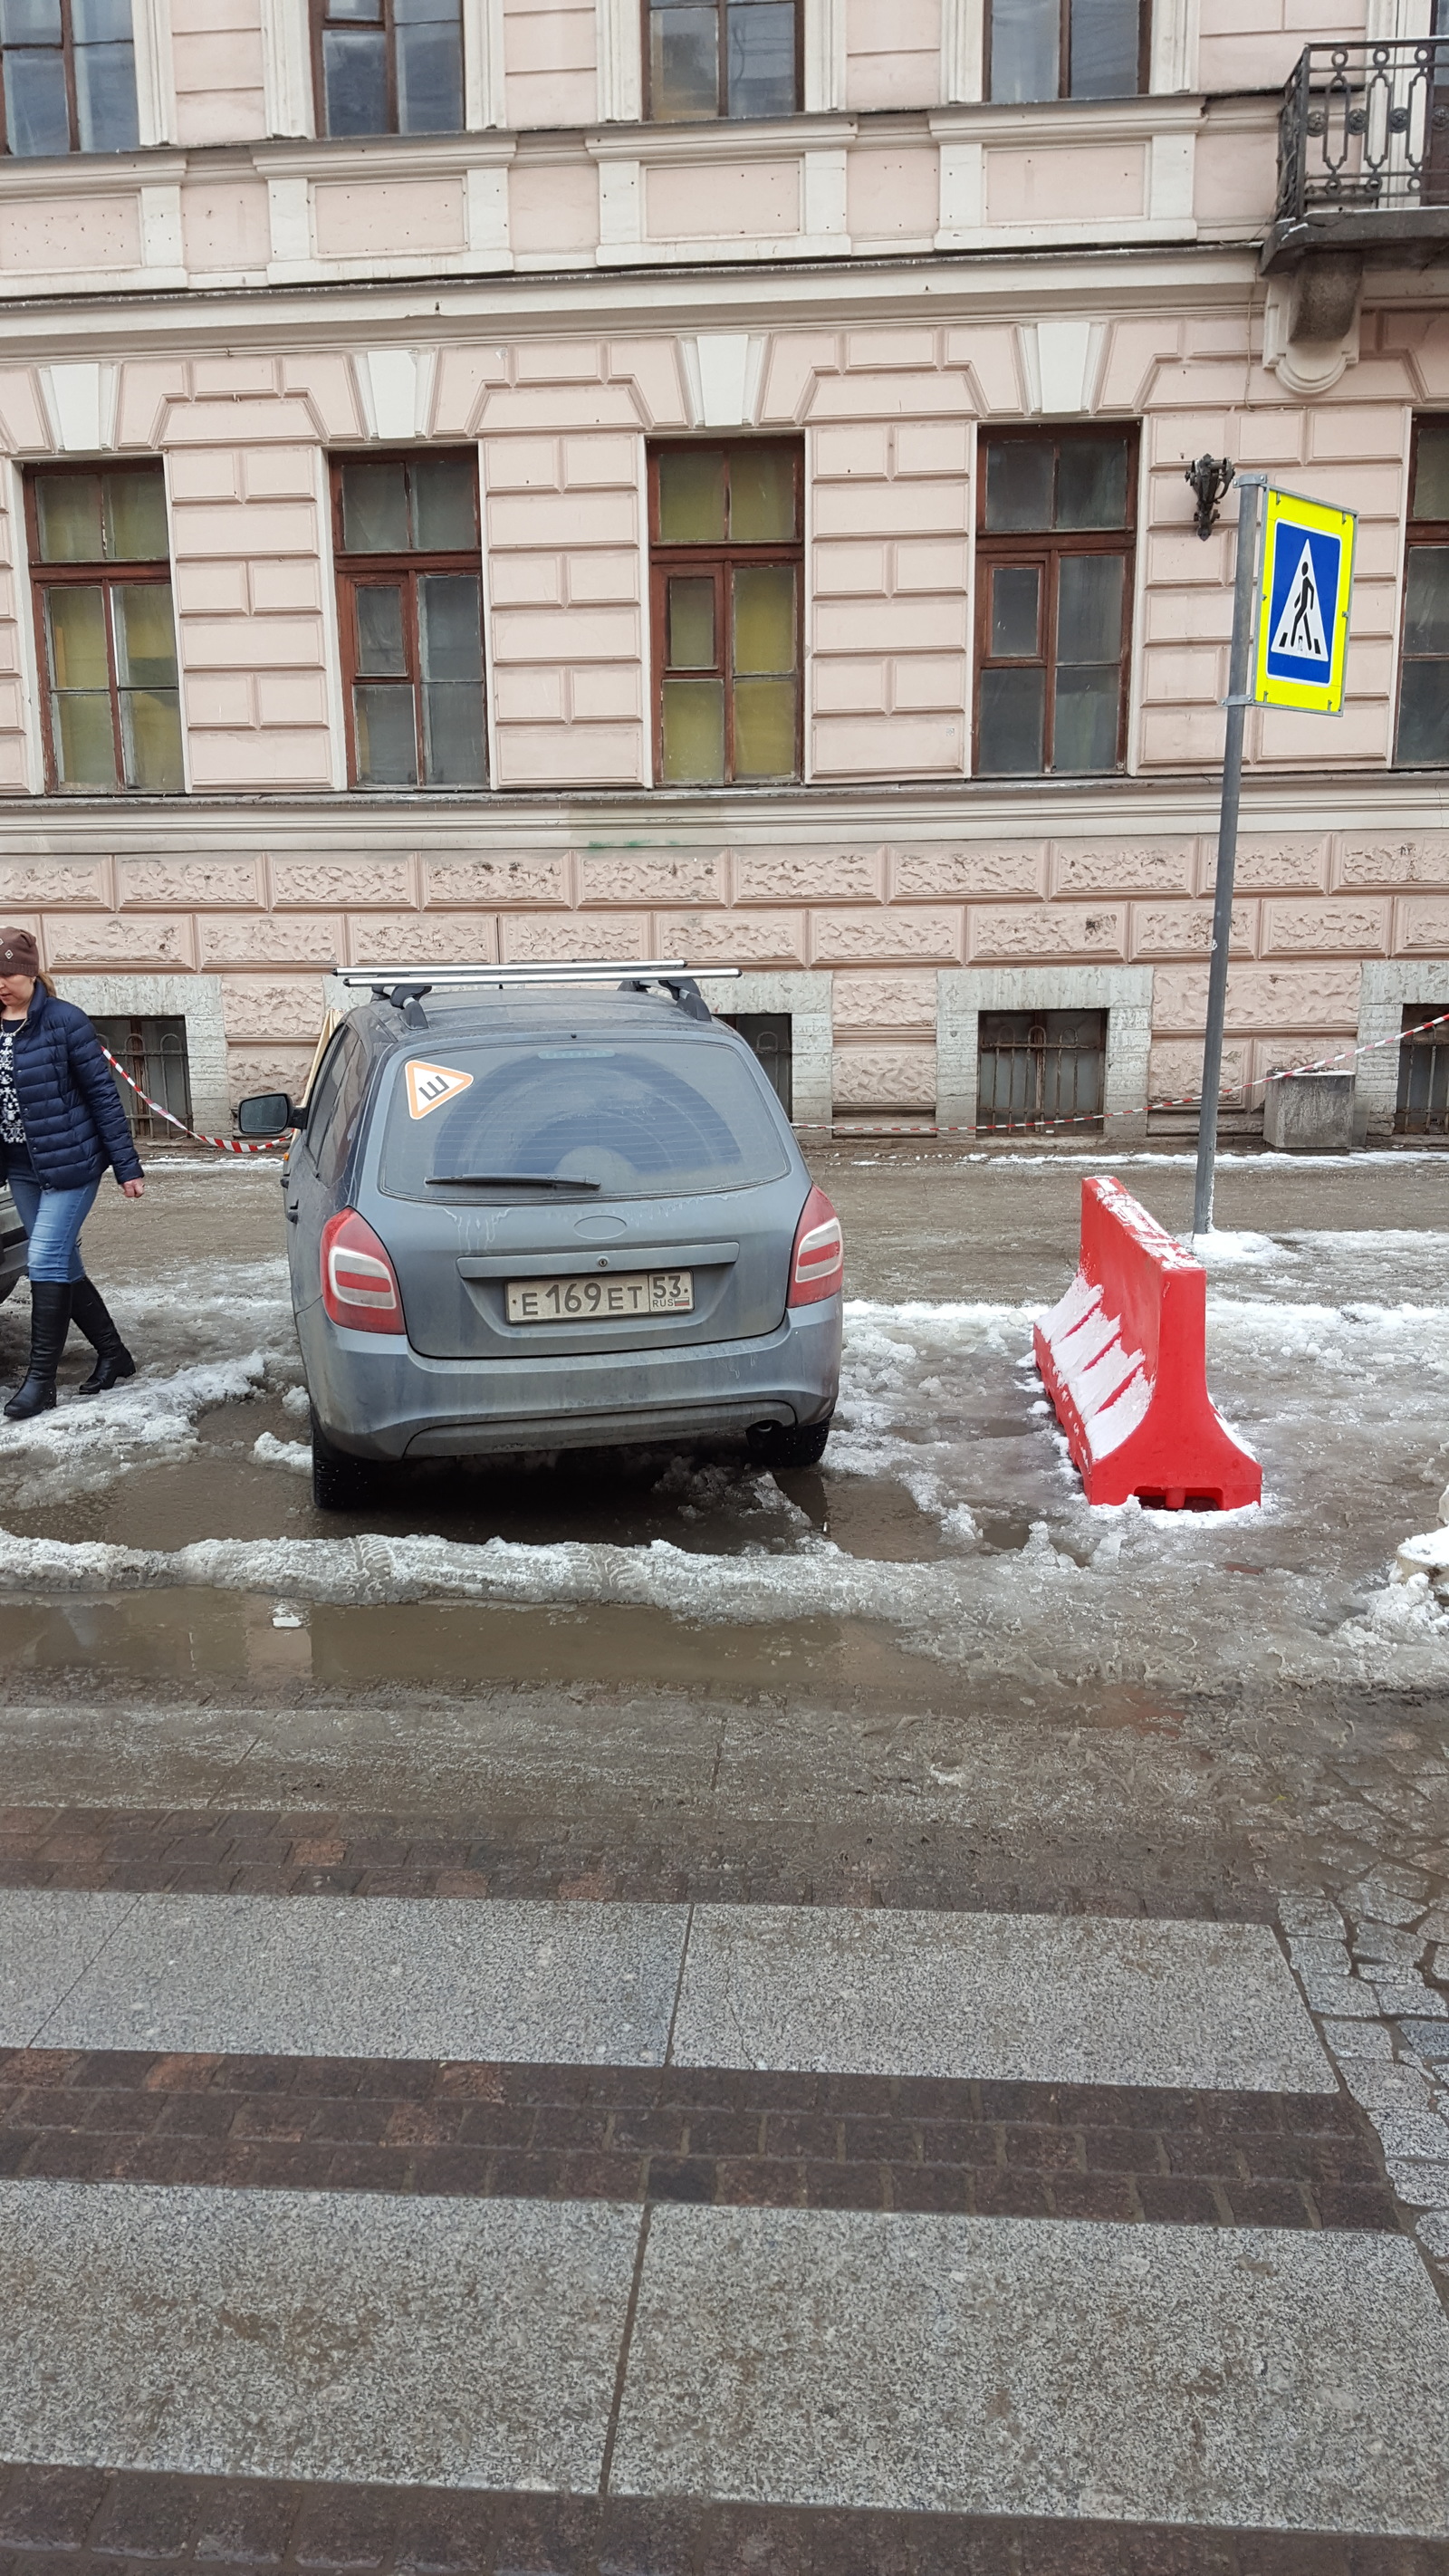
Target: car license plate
598,1301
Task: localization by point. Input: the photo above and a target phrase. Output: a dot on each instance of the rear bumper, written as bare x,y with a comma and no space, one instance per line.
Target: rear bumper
376,1397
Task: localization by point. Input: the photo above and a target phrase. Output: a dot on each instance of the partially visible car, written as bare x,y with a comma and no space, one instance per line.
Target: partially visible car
551,1218
12,1244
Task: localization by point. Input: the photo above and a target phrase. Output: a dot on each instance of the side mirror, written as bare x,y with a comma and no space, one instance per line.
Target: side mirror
267,1113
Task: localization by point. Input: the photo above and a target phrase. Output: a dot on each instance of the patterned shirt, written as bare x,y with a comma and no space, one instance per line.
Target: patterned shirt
12,1125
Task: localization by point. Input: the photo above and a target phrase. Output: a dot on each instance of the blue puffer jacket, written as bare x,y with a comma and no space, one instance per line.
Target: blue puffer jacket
74,1122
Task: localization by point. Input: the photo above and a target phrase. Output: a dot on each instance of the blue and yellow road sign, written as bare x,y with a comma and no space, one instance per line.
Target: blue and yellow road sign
1303,605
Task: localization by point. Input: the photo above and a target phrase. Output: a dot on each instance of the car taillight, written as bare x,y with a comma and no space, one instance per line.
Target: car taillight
817,1260
359,1283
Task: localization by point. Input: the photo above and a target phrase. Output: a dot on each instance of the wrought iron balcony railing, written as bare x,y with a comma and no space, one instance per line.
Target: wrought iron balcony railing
1364,132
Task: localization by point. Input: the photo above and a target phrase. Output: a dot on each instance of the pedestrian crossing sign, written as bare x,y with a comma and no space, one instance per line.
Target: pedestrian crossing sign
1303,605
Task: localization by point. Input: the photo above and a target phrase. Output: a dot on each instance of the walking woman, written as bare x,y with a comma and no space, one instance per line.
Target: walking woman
61,1123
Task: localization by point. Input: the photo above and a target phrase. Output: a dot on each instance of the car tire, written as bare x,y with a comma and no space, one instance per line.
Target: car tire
775,1447
339,1483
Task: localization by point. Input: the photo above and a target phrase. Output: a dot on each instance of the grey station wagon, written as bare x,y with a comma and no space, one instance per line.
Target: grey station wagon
551,1217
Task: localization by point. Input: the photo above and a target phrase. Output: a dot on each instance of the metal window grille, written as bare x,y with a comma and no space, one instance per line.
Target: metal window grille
153,1052
1038,1068
767,1035
1423,1103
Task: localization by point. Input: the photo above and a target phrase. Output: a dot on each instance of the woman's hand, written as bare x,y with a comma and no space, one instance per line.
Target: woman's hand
132,1189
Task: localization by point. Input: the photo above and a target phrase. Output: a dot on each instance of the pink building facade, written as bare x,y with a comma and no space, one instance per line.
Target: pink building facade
830,603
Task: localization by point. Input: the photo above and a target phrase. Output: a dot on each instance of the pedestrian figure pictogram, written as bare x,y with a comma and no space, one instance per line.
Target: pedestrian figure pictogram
1303,605
1300,628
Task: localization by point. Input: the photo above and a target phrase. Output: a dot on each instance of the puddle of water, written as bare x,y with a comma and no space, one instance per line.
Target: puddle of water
710,1504
196,1635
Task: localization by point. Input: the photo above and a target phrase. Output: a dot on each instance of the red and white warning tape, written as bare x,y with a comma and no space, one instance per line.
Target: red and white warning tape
1098,1118
223,1144
892,1127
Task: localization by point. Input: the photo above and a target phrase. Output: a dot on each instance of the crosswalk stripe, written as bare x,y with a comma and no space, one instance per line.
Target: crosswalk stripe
788,2357
1044,1998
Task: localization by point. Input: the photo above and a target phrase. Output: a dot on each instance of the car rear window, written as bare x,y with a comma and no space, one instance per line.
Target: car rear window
640,1119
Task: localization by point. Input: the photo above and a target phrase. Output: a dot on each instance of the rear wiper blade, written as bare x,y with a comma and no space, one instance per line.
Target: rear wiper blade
506,1181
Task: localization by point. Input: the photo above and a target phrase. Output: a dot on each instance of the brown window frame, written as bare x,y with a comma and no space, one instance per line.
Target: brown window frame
1064,60
716,556
319,12
1417,532
108,577
66,50
1044,548
352,570
722,115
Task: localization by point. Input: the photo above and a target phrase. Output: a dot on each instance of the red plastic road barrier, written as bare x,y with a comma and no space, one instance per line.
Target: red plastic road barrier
1124,1362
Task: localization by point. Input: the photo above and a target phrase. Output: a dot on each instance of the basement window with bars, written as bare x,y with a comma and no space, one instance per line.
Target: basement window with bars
101,576
410,609
726,559
1037,1069
1422,1108
1423,737
1054,553
388,66
68,70
153,1052
722,58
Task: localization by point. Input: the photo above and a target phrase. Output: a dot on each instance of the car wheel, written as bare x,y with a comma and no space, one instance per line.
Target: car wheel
339,1483
803,1447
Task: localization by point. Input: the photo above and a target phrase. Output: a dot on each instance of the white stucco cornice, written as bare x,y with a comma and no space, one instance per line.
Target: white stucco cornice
1377,800
1141,279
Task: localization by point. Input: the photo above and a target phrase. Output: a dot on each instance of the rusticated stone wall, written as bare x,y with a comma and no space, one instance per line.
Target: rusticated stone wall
879,918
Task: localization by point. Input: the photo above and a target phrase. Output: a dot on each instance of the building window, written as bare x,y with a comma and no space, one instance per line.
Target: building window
68,68
1424,685
153,1052
1053,588
1039,49
767,1035
722,58
726,580
101,572
1041,1068
1422,1107
410,605
388,66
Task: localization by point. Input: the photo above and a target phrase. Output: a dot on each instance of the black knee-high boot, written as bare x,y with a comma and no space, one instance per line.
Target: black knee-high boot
49,1321
88,1308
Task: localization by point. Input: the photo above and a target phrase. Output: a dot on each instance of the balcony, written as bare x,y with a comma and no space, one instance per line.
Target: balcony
1363,154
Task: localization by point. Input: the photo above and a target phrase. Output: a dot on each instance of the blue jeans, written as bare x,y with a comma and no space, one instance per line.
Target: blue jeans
52,1220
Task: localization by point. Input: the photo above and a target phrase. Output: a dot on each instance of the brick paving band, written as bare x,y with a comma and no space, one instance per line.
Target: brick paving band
722,2135
1014,1998
207,1851
95,2522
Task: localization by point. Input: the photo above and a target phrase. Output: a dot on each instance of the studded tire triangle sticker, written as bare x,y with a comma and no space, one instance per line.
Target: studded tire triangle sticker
429,1085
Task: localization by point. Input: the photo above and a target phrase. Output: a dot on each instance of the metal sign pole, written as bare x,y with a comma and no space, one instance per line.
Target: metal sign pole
1238,701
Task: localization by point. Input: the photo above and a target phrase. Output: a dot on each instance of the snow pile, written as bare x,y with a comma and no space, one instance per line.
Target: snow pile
1231,1251
90,1440
907,1379
294,1455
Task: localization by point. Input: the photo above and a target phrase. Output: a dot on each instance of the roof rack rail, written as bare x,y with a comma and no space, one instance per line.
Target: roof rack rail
567,970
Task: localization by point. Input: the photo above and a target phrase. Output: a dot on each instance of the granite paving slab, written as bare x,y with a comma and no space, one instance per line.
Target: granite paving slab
827,2357
1034,1998
590,1984
47,1940
290,2334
